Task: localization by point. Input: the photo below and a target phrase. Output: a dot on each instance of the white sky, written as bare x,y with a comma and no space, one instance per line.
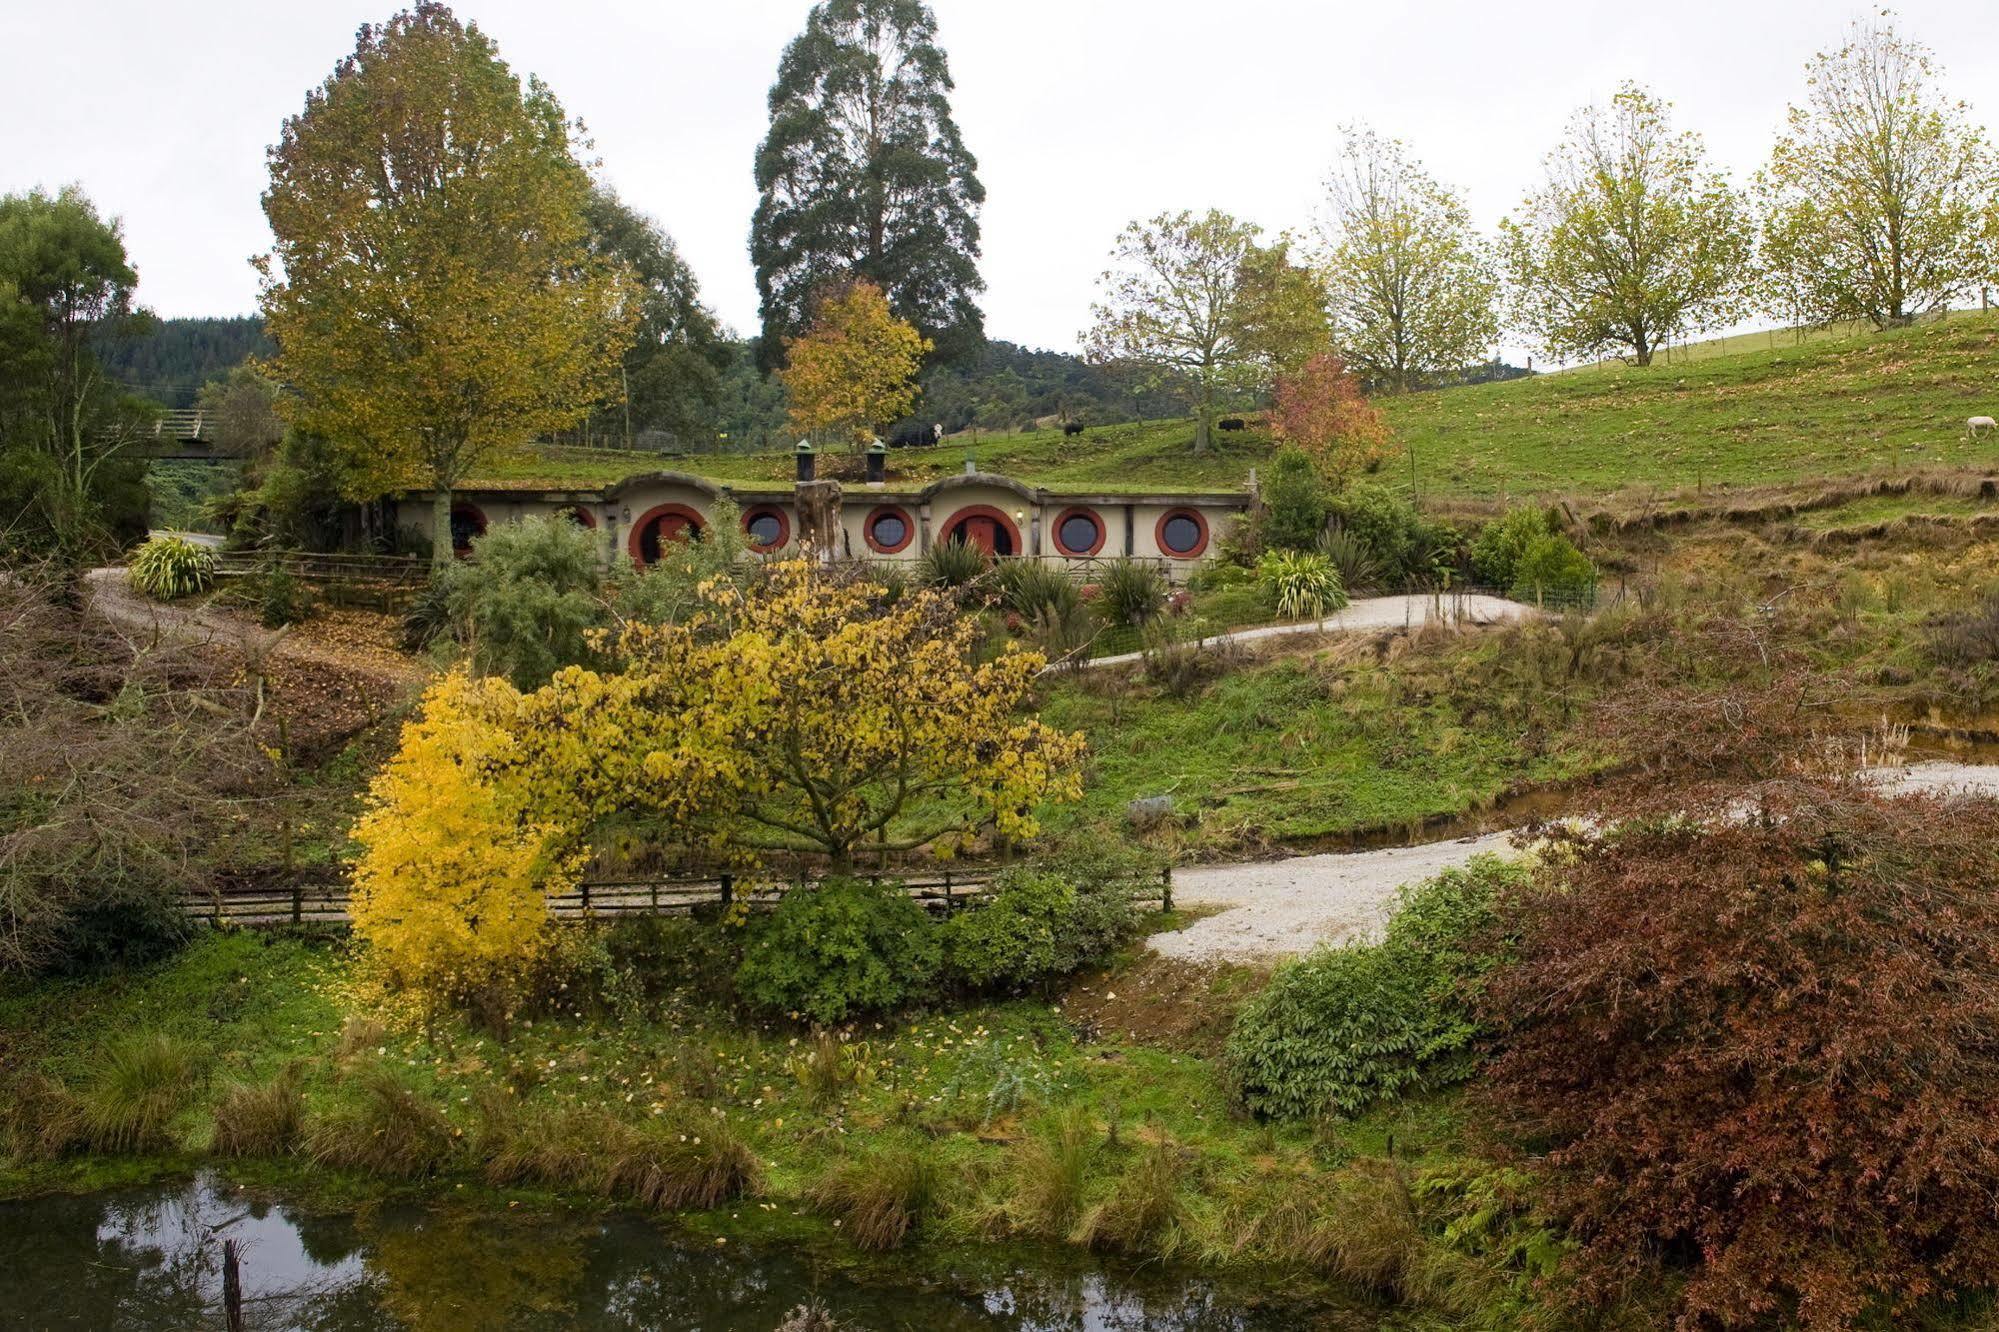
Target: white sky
1083,113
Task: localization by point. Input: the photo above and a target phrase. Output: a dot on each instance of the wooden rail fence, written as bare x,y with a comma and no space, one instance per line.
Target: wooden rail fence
324,902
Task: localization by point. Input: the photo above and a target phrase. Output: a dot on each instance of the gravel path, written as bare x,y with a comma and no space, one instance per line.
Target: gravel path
1277,909
1373,613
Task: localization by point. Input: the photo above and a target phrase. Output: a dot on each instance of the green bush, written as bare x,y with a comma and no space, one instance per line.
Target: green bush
837,949
1302,586
169,567
669,589
953,564
1034,589
1295,506
1350,557
1342,1028
1496,553
1112,878
1016,937
281,598
526,599
1130,593
1552,569
1405,546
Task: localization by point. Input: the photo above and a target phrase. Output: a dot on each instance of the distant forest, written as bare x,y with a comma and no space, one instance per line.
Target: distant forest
170,364
1005,387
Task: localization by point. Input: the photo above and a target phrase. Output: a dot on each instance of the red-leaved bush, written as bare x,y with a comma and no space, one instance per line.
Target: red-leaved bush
1761,1051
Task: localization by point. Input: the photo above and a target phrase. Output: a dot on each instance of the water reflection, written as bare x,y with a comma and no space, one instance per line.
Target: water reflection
151,1259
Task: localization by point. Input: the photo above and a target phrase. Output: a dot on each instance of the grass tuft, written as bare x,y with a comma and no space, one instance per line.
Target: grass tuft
260,1119
1144,1215
879,1199
1050,1172
138,1087
388,1130
560,1148
41,1119
694,1167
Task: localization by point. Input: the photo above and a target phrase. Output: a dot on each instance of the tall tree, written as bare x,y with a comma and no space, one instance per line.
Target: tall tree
1197,297
1881,201
68,479
1632,240
864,174
671,376
432,292
855,369
1412,292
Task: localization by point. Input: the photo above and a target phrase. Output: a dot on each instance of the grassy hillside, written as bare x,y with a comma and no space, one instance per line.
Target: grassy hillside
1765,414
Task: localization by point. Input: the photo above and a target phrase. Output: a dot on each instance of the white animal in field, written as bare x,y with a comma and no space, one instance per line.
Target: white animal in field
1974,424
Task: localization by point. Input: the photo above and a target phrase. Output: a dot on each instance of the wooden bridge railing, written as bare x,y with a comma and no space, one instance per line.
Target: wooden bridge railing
325,901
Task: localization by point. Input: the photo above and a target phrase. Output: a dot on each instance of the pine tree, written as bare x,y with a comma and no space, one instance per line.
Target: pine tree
864,174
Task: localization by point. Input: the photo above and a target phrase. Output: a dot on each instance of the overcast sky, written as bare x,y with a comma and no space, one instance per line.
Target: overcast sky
1083,113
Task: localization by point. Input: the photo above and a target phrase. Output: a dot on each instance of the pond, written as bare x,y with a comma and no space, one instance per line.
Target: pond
151,1258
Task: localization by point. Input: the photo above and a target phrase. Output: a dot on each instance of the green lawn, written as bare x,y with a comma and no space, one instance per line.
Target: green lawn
1743,412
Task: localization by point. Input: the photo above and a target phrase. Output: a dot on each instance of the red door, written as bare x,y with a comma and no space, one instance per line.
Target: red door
981,532
663,529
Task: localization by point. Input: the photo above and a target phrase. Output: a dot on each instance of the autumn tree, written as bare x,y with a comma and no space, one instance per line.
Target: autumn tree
431,290
240,412
1320,408
1199,297
1881,200
1411,289
855,368
864,175
1632,240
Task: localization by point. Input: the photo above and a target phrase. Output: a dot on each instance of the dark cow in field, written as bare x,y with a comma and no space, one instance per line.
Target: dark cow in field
1231,423
1073,427
916,437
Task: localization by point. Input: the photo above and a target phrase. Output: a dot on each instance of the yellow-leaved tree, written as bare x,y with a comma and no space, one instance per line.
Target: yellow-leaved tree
450,890
808,710
432,290
855,368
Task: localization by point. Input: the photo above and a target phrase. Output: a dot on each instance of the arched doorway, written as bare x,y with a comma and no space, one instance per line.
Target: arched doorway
661,526
985,527
467,522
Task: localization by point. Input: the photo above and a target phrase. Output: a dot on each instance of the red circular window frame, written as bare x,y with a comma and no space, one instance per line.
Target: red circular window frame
985,511
478,516
635,538
1080,511
888,511
581,513
750,515
1159,534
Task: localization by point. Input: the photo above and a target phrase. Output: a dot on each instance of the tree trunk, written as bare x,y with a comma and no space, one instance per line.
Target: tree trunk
440,529
1204,412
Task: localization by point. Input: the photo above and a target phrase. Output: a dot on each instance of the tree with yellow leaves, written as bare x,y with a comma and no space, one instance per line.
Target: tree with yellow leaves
432,291
809,711
855,369
450,890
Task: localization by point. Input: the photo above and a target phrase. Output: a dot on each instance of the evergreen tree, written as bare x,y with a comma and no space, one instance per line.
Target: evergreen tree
863,174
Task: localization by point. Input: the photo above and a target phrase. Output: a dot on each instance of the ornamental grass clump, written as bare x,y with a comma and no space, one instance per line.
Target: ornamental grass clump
699,1164
260,1119
1302,585
137,1088
1768,1085
1130,593
878,1200
1144,1215
1050,1172
385,1128
167,568
953,564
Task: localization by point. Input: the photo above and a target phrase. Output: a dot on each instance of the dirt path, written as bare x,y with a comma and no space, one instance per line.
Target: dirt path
1278,909
1371,613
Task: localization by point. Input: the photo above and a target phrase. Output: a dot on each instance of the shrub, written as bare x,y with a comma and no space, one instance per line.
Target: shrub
1404,545
1129,592
1967,637
838,949
169,567
526,599
1344,1027
427,619
261,1118
388,1129
1350,558
282,598
1552,569
1014,938
954,563
1294,502
118,926
669,590
1032,589
1771,1060
1302,586
138,1087
1111,877
880,1198
1496,551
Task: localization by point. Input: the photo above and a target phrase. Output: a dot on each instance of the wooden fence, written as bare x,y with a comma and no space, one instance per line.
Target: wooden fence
324,902
380,582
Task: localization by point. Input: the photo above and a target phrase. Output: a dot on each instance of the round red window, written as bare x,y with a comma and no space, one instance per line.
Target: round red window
767,527
888,530
1182,533
1079,532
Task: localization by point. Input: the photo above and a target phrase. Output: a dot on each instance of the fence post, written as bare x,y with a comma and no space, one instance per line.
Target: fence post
728,891
298,904
654,886
215,907
947,892
1166,890
583,886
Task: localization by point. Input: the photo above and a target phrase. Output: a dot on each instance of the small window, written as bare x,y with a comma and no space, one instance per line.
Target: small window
888,531
1079,533
766,528
1182,532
